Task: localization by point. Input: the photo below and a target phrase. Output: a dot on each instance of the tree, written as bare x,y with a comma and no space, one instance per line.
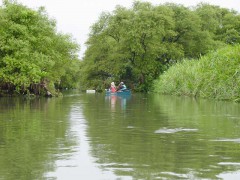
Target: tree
136,45
194,40
127,42
32,54
221,23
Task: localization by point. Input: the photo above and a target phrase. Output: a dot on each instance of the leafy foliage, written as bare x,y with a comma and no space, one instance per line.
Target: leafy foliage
136,45
32,52
208,77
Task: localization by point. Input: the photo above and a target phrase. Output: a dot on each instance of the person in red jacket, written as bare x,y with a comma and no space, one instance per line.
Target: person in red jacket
113,87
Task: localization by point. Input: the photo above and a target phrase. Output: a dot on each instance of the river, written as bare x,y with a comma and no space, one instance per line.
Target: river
98,137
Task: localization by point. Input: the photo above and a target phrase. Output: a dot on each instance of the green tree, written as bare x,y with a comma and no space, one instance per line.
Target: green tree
189,33
124,46
221,23
136,45
33,55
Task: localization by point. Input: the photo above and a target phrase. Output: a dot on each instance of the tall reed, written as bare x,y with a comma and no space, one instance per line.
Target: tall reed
216,75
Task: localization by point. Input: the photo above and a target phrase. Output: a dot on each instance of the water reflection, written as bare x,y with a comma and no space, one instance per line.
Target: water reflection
121,99
79,164
30,130
113,100
166,137
93,136
229,175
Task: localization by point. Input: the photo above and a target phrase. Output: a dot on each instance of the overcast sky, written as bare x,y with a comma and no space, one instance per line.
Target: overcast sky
76,16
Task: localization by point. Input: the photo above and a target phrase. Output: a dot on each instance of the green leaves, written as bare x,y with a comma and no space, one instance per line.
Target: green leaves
129,38
31,50
138,44
207,77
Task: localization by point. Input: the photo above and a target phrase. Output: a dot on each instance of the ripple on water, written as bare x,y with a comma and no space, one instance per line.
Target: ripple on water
130,127
175,130
237,140
229,163
172,174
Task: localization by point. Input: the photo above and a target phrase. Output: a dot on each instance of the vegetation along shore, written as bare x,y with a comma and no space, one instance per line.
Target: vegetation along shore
165,48
215,75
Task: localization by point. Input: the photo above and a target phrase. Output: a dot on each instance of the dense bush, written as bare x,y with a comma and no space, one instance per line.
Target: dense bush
215,75
34,57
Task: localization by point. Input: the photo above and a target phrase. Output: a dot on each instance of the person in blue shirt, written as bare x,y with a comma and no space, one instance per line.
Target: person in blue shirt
122,87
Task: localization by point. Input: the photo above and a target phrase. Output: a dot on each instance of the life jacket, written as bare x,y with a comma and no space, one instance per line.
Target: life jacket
113,89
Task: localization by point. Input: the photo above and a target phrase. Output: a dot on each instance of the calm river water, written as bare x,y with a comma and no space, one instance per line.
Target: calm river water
94,137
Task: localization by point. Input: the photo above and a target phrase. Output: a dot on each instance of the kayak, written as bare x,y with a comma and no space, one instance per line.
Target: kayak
118,93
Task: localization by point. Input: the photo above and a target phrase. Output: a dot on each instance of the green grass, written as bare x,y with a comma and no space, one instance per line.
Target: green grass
216,75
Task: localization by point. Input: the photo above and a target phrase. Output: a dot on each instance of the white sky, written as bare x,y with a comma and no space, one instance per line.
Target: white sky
76,16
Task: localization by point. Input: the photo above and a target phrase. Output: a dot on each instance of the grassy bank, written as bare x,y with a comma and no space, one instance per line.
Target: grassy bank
216,75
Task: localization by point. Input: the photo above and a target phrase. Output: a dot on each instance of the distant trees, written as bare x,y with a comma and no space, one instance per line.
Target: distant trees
136,45
33,56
